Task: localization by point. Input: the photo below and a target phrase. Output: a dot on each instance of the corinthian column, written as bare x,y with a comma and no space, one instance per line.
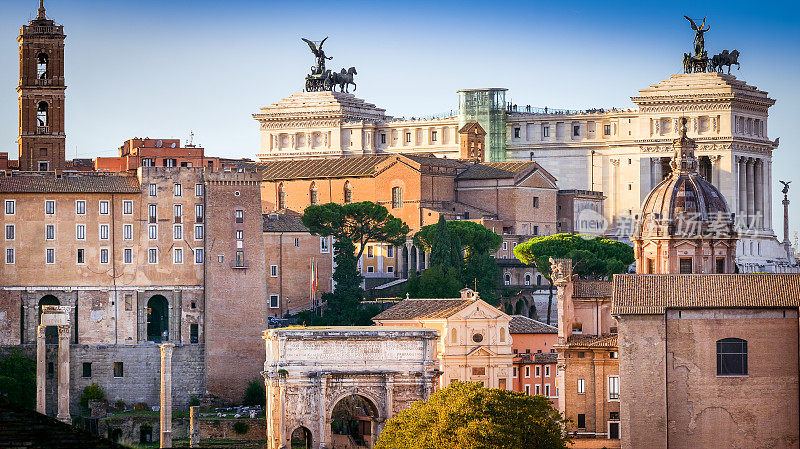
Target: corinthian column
758,190
742,209
41,369
751,205
63,374
166,394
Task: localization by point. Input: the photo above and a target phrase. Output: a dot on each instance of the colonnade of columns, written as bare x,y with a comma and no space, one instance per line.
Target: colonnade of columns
64,333
753,198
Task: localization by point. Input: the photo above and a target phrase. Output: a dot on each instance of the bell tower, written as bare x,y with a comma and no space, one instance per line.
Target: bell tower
41,95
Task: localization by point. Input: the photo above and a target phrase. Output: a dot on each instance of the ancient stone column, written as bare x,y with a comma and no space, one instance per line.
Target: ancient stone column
41,369
166,394
63,374
194,426
324,426
742,209
786,220
758,189
751,204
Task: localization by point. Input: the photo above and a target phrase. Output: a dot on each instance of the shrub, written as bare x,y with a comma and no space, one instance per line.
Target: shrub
92,392
241,427
194,401
255,394
18,379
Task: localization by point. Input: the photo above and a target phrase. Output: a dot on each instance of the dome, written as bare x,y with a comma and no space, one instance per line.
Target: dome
685,204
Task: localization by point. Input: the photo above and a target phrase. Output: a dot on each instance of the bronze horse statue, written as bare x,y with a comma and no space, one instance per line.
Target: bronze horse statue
725,59
342,79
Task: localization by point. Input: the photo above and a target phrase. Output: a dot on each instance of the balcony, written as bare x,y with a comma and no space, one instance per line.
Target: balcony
42,130
44,82
240,264
39,29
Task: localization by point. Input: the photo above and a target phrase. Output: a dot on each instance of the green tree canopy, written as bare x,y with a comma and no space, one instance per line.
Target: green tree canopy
362,223
595,258
467,416
18,379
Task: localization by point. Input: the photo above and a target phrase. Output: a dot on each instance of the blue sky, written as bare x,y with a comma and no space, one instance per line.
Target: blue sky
163,68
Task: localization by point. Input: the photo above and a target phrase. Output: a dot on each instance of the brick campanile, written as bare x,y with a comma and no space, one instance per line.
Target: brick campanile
41,94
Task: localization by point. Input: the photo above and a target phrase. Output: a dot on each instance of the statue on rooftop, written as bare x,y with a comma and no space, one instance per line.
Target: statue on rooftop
699,40
319,54
322,79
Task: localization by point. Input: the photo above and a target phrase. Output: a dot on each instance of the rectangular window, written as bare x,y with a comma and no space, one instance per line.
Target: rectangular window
370,269
50,232
581,421
536,230
10,232
104,255
10,255
505,246
198,232
397,197
239,214
194,333
527,389
389,251
613,388
240,258
80,232
536,201
128,302
178,189
433,136
104,207
198,213
323,245
390,269
478,371
127,207
607,130
731,357
50,207
516,133
273,271
11,207
408,137
153,190
527,372
87,369
538,371
686,265
239,234
178,212
545,131
547,390
383,137
80,207
127,255
547,371
152,255
152,213
177,232
103,232
370,252
273,301
152,232
198,190
538,389
127,232
581,386
118,369
576,130
296,242
50,255
81,259
147,162
198,255
177,255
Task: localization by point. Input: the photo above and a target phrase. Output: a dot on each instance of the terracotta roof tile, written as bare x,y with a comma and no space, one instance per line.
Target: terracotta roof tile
538,357
592,341
70,183
494,170
648,294
411,309
436,161
591,289
524,325
319,168
282,222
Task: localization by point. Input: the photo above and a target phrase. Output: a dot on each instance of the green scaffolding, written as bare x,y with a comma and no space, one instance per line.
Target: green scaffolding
488,108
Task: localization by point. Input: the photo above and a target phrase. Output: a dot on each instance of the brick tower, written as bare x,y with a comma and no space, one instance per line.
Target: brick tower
41,94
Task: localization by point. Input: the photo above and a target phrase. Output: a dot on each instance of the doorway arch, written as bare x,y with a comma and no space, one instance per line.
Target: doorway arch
157,319
354,419
301,438
51,332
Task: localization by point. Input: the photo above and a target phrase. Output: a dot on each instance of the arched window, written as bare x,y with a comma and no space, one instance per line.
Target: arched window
527,279
508,279
157,319
41,66
731,357
502,335
312,193
453,336
397,197
281,196
348,192
41,113
538,279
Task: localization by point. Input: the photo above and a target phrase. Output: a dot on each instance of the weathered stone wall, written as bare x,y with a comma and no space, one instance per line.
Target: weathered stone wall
141,373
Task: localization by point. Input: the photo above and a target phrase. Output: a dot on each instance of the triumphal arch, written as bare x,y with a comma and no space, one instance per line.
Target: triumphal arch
336,386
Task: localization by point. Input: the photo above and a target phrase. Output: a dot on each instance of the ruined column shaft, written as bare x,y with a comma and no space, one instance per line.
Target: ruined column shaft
63,374
166,394
194,426
41,370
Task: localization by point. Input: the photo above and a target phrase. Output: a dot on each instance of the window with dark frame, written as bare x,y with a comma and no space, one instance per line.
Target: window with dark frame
581,421
194,333
118,369
731,357
87,369
239,214
686,265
